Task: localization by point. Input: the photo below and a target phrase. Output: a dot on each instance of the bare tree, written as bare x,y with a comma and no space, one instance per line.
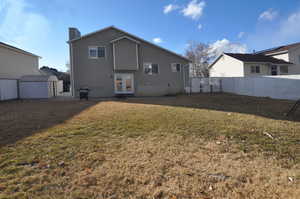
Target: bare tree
198,53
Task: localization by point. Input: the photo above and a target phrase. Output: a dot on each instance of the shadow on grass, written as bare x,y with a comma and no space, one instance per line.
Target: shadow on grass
264,107
20,119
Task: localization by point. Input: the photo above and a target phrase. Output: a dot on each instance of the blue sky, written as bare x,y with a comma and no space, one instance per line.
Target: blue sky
226,25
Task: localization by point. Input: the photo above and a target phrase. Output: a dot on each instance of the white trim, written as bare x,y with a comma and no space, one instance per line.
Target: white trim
114,56
149,63
137,57
93,48
101,30
97,48
132,83
125,37
275,53
72,71
176,67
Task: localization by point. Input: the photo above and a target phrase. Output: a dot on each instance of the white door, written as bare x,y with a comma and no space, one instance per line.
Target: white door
124,83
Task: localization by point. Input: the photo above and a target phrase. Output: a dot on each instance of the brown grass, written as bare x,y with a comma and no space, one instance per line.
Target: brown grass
175,147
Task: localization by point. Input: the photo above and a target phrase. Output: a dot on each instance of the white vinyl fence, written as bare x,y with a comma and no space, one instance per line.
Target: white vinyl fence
204,85
8,89
278,87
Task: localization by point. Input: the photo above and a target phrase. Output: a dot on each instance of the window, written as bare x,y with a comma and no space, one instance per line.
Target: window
255,69
175,67
93,52
96,52
284,69
101,51
299,58
150,69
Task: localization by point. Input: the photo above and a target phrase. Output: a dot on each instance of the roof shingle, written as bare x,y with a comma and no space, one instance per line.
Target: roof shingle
257,58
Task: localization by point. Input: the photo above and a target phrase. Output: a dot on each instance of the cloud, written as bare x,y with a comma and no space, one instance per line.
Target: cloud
224,45
157,40
289,28
194,9
170,8
268,15
22,27
283,31
200,26
241,35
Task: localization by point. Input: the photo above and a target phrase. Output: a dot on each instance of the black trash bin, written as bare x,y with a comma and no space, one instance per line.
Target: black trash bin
84,93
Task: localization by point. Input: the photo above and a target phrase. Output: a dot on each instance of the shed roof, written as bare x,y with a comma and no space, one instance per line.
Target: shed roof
38,78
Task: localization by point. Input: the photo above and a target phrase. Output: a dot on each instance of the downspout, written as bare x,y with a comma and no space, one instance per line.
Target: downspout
183,72
72,70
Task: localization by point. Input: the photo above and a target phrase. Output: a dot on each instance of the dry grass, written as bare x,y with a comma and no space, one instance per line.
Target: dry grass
175,147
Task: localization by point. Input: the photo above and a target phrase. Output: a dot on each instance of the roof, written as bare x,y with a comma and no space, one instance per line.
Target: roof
17,49
38,78
256,58
130,35
124,37
279,49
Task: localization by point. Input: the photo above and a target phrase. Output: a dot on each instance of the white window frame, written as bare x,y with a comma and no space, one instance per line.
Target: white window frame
148,63
96,48
93,48
174,65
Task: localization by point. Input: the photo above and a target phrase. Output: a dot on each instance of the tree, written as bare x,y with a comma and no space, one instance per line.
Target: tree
198,53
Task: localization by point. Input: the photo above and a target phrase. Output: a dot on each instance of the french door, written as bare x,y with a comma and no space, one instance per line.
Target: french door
124,83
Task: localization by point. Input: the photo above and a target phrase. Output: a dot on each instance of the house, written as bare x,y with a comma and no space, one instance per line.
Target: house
15,62
113,62
248,65
289,53
20,76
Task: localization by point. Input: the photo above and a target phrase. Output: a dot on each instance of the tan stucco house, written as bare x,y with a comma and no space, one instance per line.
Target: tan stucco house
113,62
283,60
15,62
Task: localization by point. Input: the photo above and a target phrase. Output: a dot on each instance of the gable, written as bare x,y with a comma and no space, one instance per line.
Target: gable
115,33
125,54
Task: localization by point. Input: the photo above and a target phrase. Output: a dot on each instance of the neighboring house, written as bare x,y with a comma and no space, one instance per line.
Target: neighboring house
247,65
20,76
15,62
113,62
289,53
282,60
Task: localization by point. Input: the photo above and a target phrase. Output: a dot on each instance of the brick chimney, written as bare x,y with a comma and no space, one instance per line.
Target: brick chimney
74,34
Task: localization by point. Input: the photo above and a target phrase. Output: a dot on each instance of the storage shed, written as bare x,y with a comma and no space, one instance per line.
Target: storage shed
38,86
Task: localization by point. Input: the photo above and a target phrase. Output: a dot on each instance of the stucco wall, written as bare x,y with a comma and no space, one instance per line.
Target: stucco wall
14,64
98,74
227,66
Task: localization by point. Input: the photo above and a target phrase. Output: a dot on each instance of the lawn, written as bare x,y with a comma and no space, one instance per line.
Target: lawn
200,146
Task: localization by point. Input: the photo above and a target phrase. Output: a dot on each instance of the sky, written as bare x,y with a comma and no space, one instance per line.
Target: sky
239,26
